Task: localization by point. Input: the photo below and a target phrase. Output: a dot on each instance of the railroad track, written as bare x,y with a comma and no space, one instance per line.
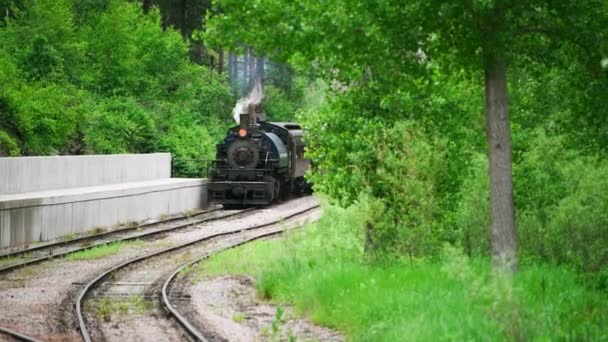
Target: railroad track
52,250
153,274
12,334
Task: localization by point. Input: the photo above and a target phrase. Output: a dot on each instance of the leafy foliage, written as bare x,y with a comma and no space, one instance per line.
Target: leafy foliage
561,202
8,146
277,105
191,147
47,116
120,125
102,77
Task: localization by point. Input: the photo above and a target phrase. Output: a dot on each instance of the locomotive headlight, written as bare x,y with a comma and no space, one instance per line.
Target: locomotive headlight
242,132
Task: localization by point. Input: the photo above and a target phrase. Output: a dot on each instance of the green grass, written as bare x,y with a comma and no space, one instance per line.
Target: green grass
238,317
97,230
106,307
68,237
321,271
8,260
101,251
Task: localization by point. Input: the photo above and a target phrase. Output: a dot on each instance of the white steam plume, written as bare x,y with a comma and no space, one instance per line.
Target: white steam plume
255,97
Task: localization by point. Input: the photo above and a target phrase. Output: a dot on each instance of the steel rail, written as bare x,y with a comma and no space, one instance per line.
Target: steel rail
99,235
87,288
183,321
16,335
11,267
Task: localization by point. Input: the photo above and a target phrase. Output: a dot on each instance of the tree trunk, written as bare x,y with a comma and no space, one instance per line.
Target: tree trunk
504,236
231,65
252,69
220,61
182,18
235,73
288,80
197,52
146,4
260,69
245,73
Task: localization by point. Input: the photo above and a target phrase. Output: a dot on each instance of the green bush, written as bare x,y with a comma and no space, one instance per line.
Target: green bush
280,106
190,146
396,162
404,182
540,178
48,116
120,125
8,145
561,201
78,77
561,196
472,214
578,224
42,59
203,95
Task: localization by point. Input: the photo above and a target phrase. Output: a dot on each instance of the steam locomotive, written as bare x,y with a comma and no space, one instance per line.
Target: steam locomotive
258,162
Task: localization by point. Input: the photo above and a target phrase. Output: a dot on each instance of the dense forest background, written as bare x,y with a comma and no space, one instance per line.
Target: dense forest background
112,76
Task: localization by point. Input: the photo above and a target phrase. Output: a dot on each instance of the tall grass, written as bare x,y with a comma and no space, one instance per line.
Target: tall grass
322,271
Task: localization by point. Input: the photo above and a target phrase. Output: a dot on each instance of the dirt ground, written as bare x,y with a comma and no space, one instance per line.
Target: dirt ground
228,307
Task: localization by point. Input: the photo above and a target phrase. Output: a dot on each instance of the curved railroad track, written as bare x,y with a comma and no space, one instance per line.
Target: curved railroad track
166,295
12,334
156,271
38,254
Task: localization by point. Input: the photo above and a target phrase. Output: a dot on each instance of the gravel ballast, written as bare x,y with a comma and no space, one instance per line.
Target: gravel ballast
37,300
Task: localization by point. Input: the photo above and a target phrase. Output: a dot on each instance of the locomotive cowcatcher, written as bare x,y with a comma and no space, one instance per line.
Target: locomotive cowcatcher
258,162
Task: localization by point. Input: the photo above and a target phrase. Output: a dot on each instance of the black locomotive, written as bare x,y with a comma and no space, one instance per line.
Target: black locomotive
258,162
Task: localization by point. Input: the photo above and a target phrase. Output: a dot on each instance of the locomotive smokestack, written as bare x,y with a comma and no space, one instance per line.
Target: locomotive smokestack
244,120
251,110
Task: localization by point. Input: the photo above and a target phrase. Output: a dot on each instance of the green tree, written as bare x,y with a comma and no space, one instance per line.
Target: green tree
382,43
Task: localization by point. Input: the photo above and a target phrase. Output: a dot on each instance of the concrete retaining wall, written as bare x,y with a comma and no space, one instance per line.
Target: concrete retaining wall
42,216
44,198
27,174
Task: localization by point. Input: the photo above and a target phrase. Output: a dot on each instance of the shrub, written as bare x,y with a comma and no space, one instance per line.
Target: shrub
42,59
404,182
472,214
48,116
8,145
191,147
561,200
203,94
395,161
577,229
120,125
563,203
